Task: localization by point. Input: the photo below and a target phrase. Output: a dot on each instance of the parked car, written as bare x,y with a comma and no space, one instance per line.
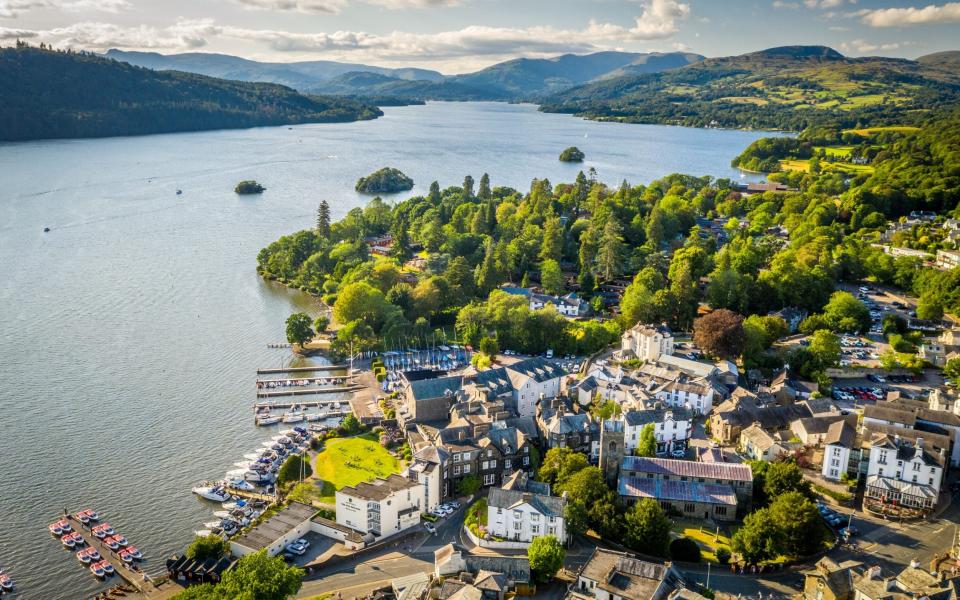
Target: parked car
849,531
296,549
430,528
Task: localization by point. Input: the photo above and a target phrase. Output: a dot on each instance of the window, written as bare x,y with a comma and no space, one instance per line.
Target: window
914,478
489,453
526,461
836,451
466,468
535,529
526,449
688,507
456,470
516,525
883,457
916,466
506,464
490,479
720,510
931,481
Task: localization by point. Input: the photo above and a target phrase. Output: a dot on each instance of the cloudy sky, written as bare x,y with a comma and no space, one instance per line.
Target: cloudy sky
461,35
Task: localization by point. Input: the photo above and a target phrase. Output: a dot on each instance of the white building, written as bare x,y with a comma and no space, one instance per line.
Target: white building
381,507
647,342
904,473
696,396
948,259
520,516
533,379
428,468
275,533
837,444
757,444
671,426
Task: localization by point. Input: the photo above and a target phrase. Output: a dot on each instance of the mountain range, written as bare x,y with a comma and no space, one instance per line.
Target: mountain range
519,79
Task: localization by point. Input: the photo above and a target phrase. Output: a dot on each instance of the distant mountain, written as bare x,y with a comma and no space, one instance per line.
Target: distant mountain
523,78
790,87
529,77
52,94
949,59
299,75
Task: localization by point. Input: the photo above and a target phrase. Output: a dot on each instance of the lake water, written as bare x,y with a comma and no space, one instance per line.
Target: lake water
132,330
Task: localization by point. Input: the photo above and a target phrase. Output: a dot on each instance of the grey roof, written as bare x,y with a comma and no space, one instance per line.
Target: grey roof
277,526
507,440
517,569
680,491
685,468
537,368
438,387
379,489
567,422
840,433
496,380
520,481
636,418
550,506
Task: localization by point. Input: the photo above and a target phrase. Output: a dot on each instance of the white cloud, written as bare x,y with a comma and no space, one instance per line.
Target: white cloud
788,5
14,8
335,6
894,17
838,28
183,35
865,47
825,3
7,33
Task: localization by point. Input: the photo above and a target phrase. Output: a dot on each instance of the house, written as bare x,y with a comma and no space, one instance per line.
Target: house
533,379
792,316
829,580
903,473
911,583
503,451
611,575
671,427
428,468
948,259
745,408
646,342
738,477
837,445
610,384
812,431
914,414
570,305
757,444
695,395
410,587
382,507
521,516
561,428
428,399
692,368
450,561
932,351
273,534
689,498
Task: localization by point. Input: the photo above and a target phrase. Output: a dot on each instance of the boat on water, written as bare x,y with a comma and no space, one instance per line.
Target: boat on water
88,555
98,570
134,553
268,419
6,584
59,528
124,555
204,533
213,493
241,484
102,531
292,417
72,540
107,567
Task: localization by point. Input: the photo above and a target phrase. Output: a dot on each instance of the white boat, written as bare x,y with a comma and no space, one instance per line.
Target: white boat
202,532
241,484
222,514
243,464
213,493
268,419
292,417
312,417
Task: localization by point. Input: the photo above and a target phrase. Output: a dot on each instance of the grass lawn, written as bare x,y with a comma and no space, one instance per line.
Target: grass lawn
705,538
837,151
795,165
349,461
868,131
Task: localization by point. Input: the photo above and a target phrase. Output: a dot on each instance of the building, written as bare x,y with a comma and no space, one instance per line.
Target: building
910,584
570,305
382,507
696,396
647,342
903,473
610,575
830,581
533,379
559,427
948,259
449,561
837,445
521,516
917,415
689,498
812,431
428,469
757,444
273,534
671,427
612,449
428,399
738,477
792,316
932,351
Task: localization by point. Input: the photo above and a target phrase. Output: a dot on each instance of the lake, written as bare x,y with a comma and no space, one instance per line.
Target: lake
133,329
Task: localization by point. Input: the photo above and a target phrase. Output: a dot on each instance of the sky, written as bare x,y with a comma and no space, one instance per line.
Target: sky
457,36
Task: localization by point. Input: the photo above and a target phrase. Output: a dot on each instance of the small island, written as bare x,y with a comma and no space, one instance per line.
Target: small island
572,154
385,181
249,186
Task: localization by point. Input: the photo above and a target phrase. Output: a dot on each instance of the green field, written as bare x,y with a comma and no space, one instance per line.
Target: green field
838,151
795,165
868,131
349,461
707,539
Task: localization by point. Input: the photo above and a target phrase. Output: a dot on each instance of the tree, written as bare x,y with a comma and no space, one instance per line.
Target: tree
759,539
611,250
551,246
321,323
799,521
255,577
350,424
483,192
467,187
294,469
323,219
299,331
845,313
545,555
825,347
488,272
646,528
929,309
207,547
723,555
469,485
360,300
894,323
952,370
685,549
551,277
489,346
559,464
720,333
648,441
784,477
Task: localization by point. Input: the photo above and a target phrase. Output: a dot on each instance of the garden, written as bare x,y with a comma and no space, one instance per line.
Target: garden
346,462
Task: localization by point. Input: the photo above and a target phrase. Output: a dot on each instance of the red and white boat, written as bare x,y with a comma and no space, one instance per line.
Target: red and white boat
119,539
88,555
85,516
70,540
111,543
102,531
125,556
133,552
6,584
107,567
60,527
98,570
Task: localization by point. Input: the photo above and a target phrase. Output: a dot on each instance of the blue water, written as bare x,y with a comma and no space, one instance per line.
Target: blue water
132,330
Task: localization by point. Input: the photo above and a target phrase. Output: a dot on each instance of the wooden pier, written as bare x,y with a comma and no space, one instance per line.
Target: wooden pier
252,495
303,369
325,380
311,392
134,578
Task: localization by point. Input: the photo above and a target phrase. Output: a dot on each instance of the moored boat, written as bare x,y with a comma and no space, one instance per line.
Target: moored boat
56,529
134,553
111,543
69,540
125,556
97,569
268,419
107,567
213,493
6,584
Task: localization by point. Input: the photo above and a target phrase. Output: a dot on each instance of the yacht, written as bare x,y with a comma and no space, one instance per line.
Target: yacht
269,419
214,493
241,484
293,417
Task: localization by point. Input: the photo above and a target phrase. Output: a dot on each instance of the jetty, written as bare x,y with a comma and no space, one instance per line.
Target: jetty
251,495
325,380
296,392
303,369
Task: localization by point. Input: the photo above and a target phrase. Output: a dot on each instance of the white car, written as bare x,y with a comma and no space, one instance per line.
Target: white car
296,549
430,528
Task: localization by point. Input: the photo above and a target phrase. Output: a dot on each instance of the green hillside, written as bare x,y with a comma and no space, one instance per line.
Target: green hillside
51,94
791,88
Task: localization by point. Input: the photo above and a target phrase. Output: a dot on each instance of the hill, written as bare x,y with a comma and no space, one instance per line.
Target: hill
51,94
299,75
791,88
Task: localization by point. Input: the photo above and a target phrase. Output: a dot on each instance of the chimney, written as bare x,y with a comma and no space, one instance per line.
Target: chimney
920,443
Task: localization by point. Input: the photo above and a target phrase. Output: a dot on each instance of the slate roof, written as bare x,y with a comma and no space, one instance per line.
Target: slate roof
277,526
537,368
507,440
890,414
638,418
679,491
496,380
520,481
550,506
379,489
427,389
625,576
567,423
686,468
517,569
840,433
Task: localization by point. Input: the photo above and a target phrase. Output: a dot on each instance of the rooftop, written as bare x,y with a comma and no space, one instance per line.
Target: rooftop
277,526
680,491
623,575
378,489
685,468
550,506
426,389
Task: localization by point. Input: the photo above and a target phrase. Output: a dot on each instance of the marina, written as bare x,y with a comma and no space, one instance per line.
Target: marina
311,369
310,392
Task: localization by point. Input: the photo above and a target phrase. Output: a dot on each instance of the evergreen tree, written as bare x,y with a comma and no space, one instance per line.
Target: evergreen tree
552,244
611,250
484,192
323,219
401,239
488,273
434,195
583,188
467,188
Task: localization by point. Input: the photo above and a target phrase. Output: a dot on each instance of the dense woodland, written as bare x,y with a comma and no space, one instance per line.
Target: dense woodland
784,249
59,94
790,88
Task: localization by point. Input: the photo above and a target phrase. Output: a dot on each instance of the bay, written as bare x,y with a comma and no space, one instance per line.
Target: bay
132,330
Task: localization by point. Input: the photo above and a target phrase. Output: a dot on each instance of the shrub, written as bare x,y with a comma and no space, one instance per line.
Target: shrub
685,549
208,546
294,469
723,555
